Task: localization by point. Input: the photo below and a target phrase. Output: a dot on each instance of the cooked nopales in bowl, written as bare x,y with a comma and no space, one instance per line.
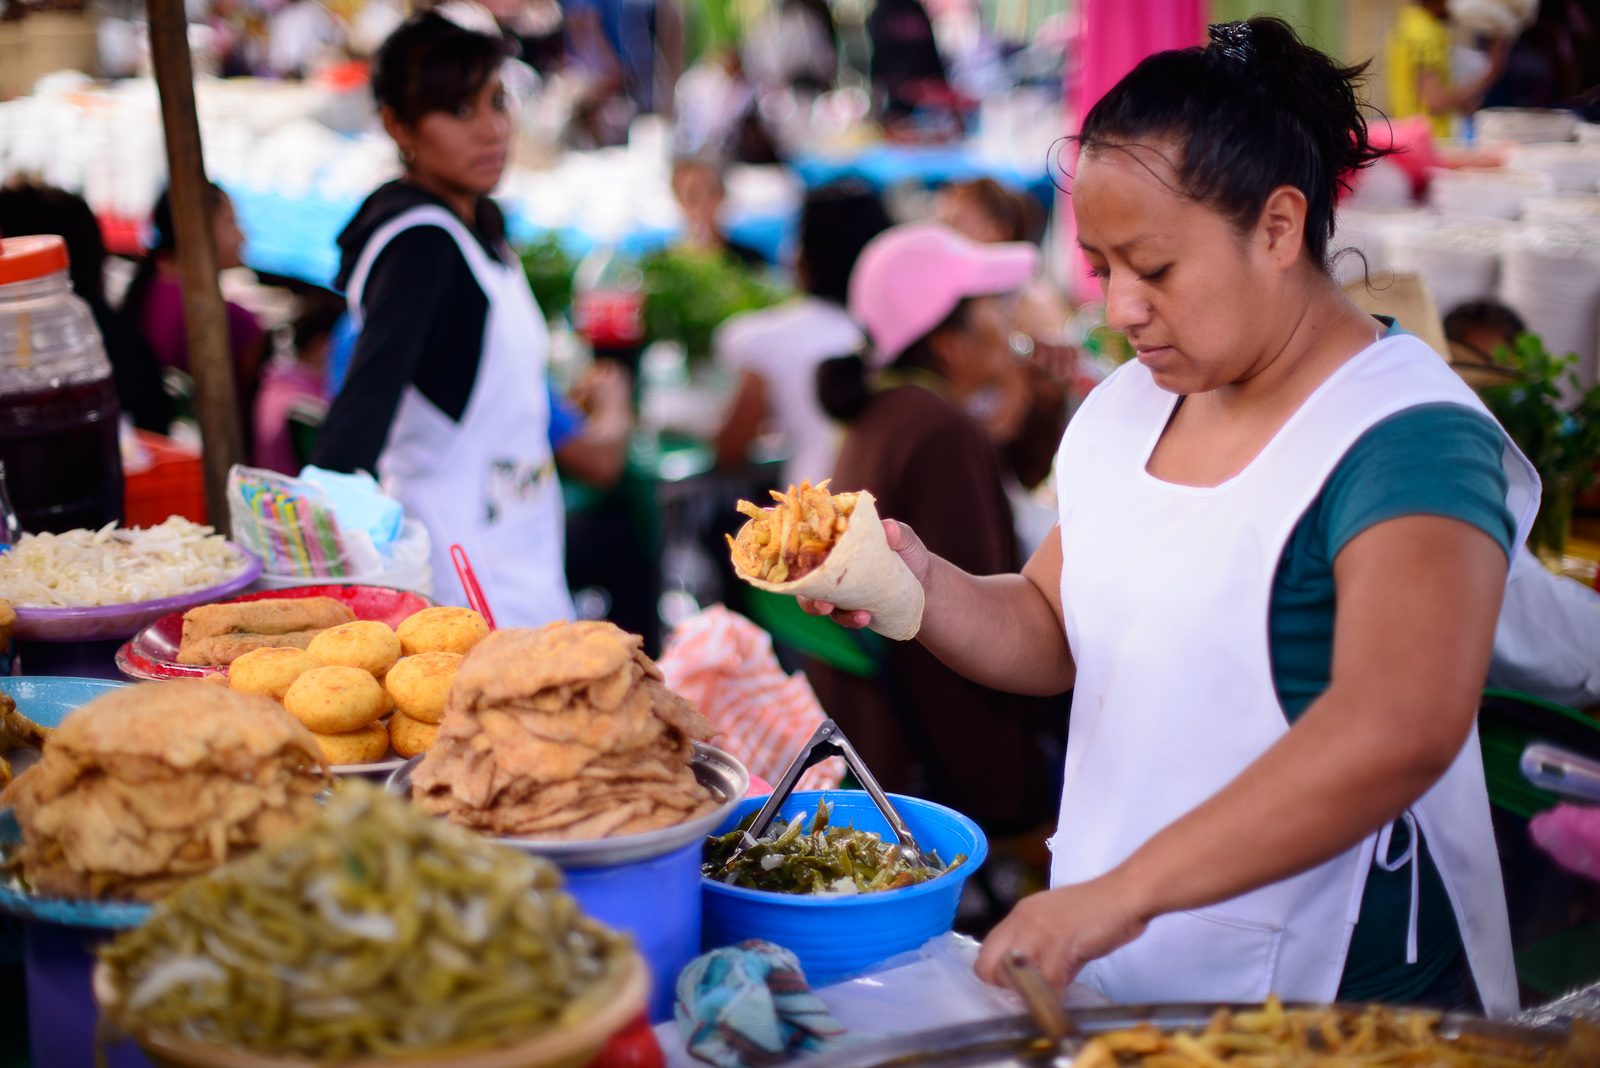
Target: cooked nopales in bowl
791,858
150,785
375,931
563,733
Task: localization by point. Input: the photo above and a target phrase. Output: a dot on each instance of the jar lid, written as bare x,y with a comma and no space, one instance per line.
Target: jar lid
33,256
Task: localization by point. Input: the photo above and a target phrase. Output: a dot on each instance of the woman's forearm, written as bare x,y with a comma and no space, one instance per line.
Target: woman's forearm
1001,631
1321,789
997,630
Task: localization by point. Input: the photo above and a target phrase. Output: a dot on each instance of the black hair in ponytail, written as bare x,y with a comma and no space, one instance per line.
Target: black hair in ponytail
842,387
1254,110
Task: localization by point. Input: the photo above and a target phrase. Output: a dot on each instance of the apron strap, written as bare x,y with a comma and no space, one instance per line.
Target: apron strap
423,215
1412,857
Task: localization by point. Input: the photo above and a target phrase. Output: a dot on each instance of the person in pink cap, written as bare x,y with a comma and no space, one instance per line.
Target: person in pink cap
937,311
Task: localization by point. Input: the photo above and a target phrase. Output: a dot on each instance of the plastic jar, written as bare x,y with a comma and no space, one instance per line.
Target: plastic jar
58,404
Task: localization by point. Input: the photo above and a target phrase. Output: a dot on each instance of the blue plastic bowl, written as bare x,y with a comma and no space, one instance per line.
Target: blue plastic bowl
46,699
835,937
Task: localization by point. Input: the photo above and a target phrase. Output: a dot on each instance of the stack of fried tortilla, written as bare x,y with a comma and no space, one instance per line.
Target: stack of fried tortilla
149,785
218,634
563,733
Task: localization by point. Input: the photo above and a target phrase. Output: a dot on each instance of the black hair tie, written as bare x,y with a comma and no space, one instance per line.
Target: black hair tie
1232,39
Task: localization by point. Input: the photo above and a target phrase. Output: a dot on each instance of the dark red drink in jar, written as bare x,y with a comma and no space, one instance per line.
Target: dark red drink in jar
58,403
62,464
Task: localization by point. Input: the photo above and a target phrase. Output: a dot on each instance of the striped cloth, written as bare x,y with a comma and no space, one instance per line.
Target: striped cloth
724,664
748,1006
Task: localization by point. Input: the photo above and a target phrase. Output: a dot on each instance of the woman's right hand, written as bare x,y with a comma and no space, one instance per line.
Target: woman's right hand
904,541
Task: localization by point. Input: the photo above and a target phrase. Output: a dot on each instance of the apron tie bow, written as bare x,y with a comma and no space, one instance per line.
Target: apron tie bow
1410,856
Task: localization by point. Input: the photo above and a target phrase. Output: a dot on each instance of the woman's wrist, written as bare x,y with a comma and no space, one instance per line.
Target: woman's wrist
1141,886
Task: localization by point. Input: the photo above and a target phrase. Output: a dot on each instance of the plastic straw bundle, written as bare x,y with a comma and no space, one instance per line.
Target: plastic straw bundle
1458,259
1574,168
1551,276
289,523
1478,193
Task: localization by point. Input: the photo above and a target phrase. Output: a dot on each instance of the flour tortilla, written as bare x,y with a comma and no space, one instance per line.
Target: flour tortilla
861,572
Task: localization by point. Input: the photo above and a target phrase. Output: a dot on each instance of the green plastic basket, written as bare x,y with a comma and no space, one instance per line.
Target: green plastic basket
1507,722
855,652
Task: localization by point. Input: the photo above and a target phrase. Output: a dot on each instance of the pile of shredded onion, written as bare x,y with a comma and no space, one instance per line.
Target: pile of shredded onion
90,568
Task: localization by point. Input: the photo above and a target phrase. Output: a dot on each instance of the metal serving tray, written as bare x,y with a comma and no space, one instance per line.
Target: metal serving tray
1016,1040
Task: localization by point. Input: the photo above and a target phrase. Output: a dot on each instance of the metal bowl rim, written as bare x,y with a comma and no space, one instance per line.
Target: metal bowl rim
729,776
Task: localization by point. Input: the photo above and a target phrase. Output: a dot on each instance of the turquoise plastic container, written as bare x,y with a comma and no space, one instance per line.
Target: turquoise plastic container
657,901
835,937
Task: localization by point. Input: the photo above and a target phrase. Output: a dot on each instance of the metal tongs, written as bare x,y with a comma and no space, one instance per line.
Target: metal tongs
829,741
1561,771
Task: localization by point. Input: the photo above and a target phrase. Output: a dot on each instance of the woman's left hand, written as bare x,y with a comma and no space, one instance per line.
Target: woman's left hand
1061,930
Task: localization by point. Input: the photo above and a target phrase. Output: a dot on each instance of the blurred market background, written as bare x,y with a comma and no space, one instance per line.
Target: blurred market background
663,152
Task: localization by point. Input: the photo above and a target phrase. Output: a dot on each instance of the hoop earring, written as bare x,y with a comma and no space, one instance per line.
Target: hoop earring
407,157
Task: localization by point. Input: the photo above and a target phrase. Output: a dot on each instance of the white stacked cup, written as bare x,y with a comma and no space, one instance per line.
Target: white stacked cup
1481,193
1574,168
1576,210
1527,126
1457,259
1550,275
1367,233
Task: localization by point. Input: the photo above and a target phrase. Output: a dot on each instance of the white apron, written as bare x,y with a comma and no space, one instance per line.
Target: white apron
488,482
1165,590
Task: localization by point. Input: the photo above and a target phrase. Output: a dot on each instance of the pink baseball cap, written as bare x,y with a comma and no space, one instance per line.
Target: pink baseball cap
910,278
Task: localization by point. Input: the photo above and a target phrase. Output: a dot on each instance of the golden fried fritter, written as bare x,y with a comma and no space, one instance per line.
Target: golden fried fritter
441,630
270,672
366,644
364,745
420,684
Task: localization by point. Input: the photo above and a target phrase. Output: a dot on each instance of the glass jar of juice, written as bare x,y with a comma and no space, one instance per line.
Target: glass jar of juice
58,406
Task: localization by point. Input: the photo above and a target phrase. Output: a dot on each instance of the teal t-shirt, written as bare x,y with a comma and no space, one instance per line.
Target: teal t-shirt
1436,459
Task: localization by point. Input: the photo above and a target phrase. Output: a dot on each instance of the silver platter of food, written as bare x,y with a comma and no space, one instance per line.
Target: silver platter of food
717,771
1193,1035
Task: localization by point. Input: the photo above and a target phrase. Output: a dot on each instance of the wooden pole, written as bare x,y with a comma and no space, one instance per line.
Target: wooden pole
205,315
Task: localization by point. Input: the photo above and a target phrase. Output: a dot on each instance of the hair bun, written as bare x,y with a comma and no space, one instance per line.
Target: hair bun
1254,110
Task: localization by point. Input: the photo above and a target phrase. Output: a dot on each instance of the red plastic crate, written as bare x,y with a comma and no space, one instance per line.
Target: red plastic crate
174,485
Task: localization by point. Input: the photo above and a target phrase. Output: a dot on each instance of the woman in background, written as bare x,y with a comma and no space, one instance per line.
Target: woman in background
937,309
776,351
448,397
1026,411
154,300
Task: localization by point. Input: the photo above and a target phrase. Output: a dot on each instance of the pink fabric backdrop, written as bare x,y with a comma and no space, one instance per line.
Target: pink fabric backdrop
1114,35
1117,34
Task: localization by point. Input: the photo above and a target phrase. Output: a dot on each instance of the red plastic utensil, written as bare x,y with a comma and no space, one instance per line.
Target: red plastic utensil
469,582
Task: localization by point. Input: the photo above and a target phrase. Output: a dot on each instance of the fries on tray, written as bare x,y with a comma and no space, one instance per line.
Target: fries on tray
831,547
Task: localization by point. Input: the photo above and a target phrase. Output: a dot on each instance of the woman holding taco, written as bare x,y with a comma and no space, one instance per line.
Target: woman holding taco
1283,540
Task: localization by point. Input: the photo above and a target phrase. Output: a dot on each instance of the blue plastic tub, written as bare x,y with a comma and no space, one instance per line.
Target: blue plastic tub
645,884
655,900
836,937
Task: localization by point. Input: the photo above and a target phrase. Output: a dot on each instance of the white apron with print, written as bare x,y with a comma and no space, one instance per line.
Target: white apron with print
487,483
1165,590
